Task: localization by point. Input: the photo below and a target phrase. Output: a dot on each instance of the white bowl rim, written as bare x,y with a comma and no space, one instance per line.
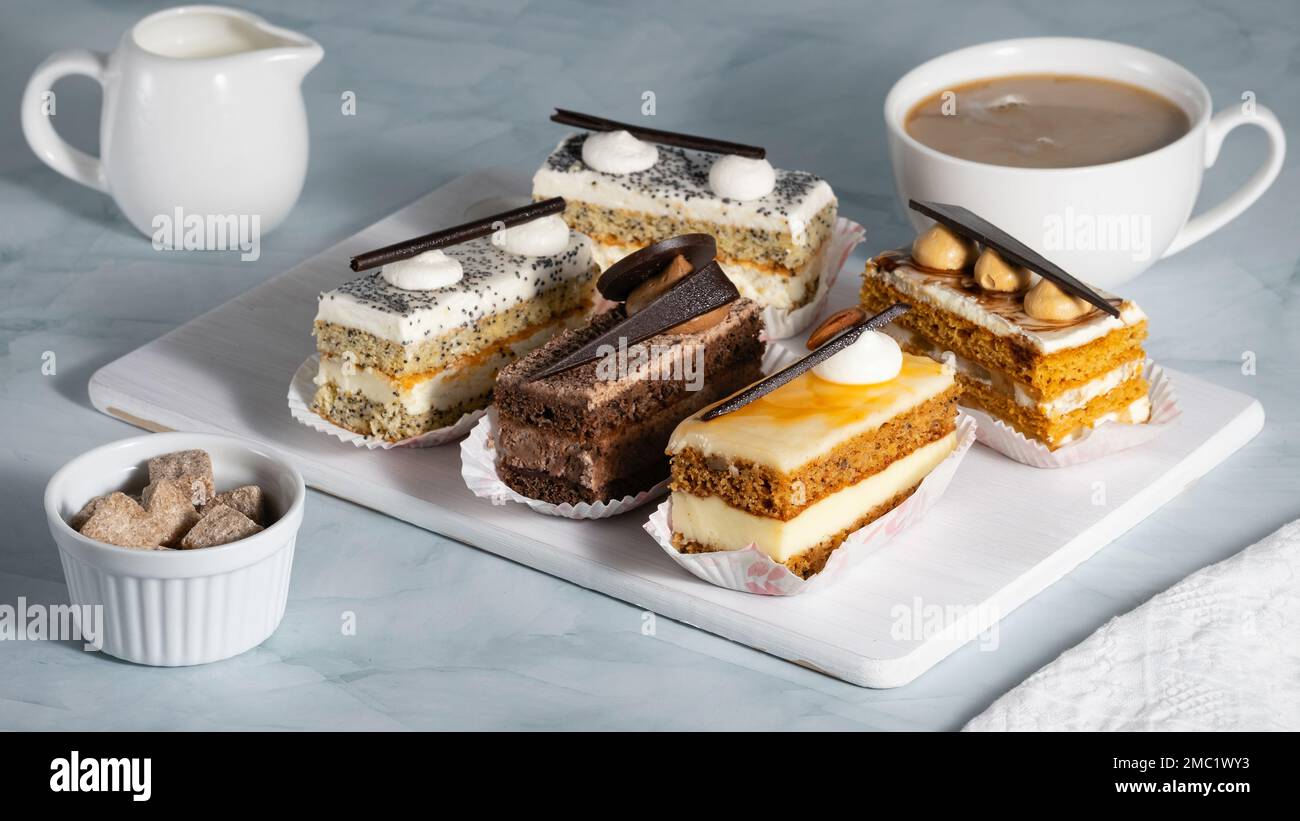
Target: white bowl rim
270,538
896,128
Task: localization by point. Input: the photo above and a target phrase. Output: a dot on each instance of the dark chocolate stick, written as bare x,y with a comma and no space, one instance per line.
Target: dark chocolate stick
974,227
768,384
654,135
457,234
700,292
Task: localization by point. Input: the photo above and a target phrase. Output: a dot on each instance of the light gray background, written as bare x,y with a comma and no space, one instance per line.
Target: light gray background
449,636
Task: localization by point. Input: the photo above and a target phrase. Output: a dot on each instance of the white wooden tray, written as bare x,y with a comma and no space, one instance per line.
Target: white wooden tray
1003,532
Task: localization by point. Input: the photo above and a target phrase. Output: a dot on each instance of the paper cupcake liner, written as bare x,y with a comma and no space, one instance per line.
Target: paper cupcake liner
302,389
478,466
782,323
1103,440
750,570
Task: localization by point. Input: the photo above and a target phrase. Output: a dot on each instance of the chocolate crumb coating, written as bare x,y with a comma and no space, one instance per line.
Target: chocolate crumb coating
580,436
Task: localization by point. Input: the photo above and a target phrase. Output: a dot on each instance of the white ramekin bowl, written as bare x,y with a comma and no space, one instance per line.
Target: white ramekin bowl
179,607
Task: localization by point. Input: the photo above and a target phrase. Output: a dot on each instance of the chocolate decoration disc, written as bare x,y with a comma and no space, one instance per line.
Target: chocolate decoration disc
621,278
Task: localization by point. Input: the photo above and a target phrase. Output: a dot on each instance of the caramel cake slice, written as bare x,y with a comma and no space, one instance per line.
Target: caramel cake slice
795,471
1042,360
772,226
414,346
596,430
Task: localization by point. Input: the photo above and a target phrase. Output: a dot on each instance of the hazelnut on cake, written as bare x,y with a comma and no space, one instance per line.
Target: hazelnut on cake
795,469
415,345
1029,350
773,227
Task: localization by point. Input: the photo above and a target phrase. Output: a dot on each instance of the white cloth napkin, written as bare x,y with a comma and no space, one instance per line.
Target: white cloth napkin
1220,650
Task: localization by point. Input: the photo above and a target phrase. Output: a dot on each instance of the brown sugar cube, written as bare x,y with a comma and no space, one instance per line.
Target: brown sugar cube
193,468
247,499
120,520
168,503
221,525
87,510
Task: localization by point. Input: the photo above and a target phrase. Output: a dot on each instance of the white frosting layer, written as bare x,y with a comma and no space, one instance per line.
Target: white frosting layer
873,358
423,272
948,293
740,178
678,186
494,281
438,391
544,237
618,152
713,522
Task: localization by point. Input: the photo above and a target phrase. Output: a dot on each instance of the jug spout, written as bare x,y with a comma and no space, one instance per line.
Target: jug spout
225,34
291,51
299,59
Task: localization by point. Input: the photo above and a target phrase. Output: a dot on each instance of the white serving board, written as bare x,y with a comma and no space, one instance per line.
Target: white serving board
1003,532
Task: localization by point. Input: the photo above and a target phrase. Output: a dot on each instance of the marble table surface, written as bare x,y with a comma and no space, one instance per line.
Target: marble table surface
451,637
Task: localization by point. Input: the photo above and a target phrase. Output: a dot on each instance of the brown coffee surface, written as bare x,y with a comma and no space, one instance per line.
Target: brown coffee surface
1046,121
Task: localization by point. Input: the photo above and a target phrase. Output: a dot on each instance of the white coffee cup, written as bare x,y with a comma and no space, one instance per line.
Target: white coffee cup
202,118
1103,223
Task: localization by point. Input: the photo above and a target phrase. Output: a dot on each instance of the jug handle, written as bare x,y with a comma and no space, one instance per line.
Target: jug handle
53,150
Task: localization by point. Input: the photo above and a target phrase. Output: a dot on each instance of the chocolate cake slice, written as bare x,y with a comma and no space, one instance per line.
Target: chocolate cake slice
599,431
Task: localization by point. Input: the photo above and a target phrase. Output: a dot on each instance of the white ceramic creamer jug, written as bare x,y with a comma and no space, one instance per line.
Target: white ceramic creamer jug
203,118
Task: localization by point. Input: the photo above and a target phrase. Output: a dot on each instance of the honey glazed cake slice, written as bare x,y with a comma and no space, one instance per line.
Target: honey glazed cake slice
1029,353
797,470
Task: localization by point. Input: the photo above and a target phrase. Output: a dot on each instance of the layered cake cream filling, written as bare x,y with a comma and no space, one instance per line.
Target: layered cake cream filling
1000,314
811,416
439,390
711,521
1135,414
678,185
1071,400
1060,404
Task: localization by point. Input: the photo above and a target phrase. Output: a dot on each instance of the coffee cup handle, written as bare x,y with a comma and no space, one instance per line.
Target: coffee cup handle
53,150
1204,224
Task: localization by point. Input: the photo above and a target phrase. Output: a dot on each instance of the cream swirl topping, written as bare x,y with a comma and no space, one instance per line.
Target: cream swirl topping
741,179
618,152
544,237
424,272
874,358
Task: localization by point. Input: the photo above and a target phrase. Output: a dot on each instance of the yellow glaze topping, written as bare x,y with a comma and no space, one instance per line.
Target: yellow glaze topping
809,416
